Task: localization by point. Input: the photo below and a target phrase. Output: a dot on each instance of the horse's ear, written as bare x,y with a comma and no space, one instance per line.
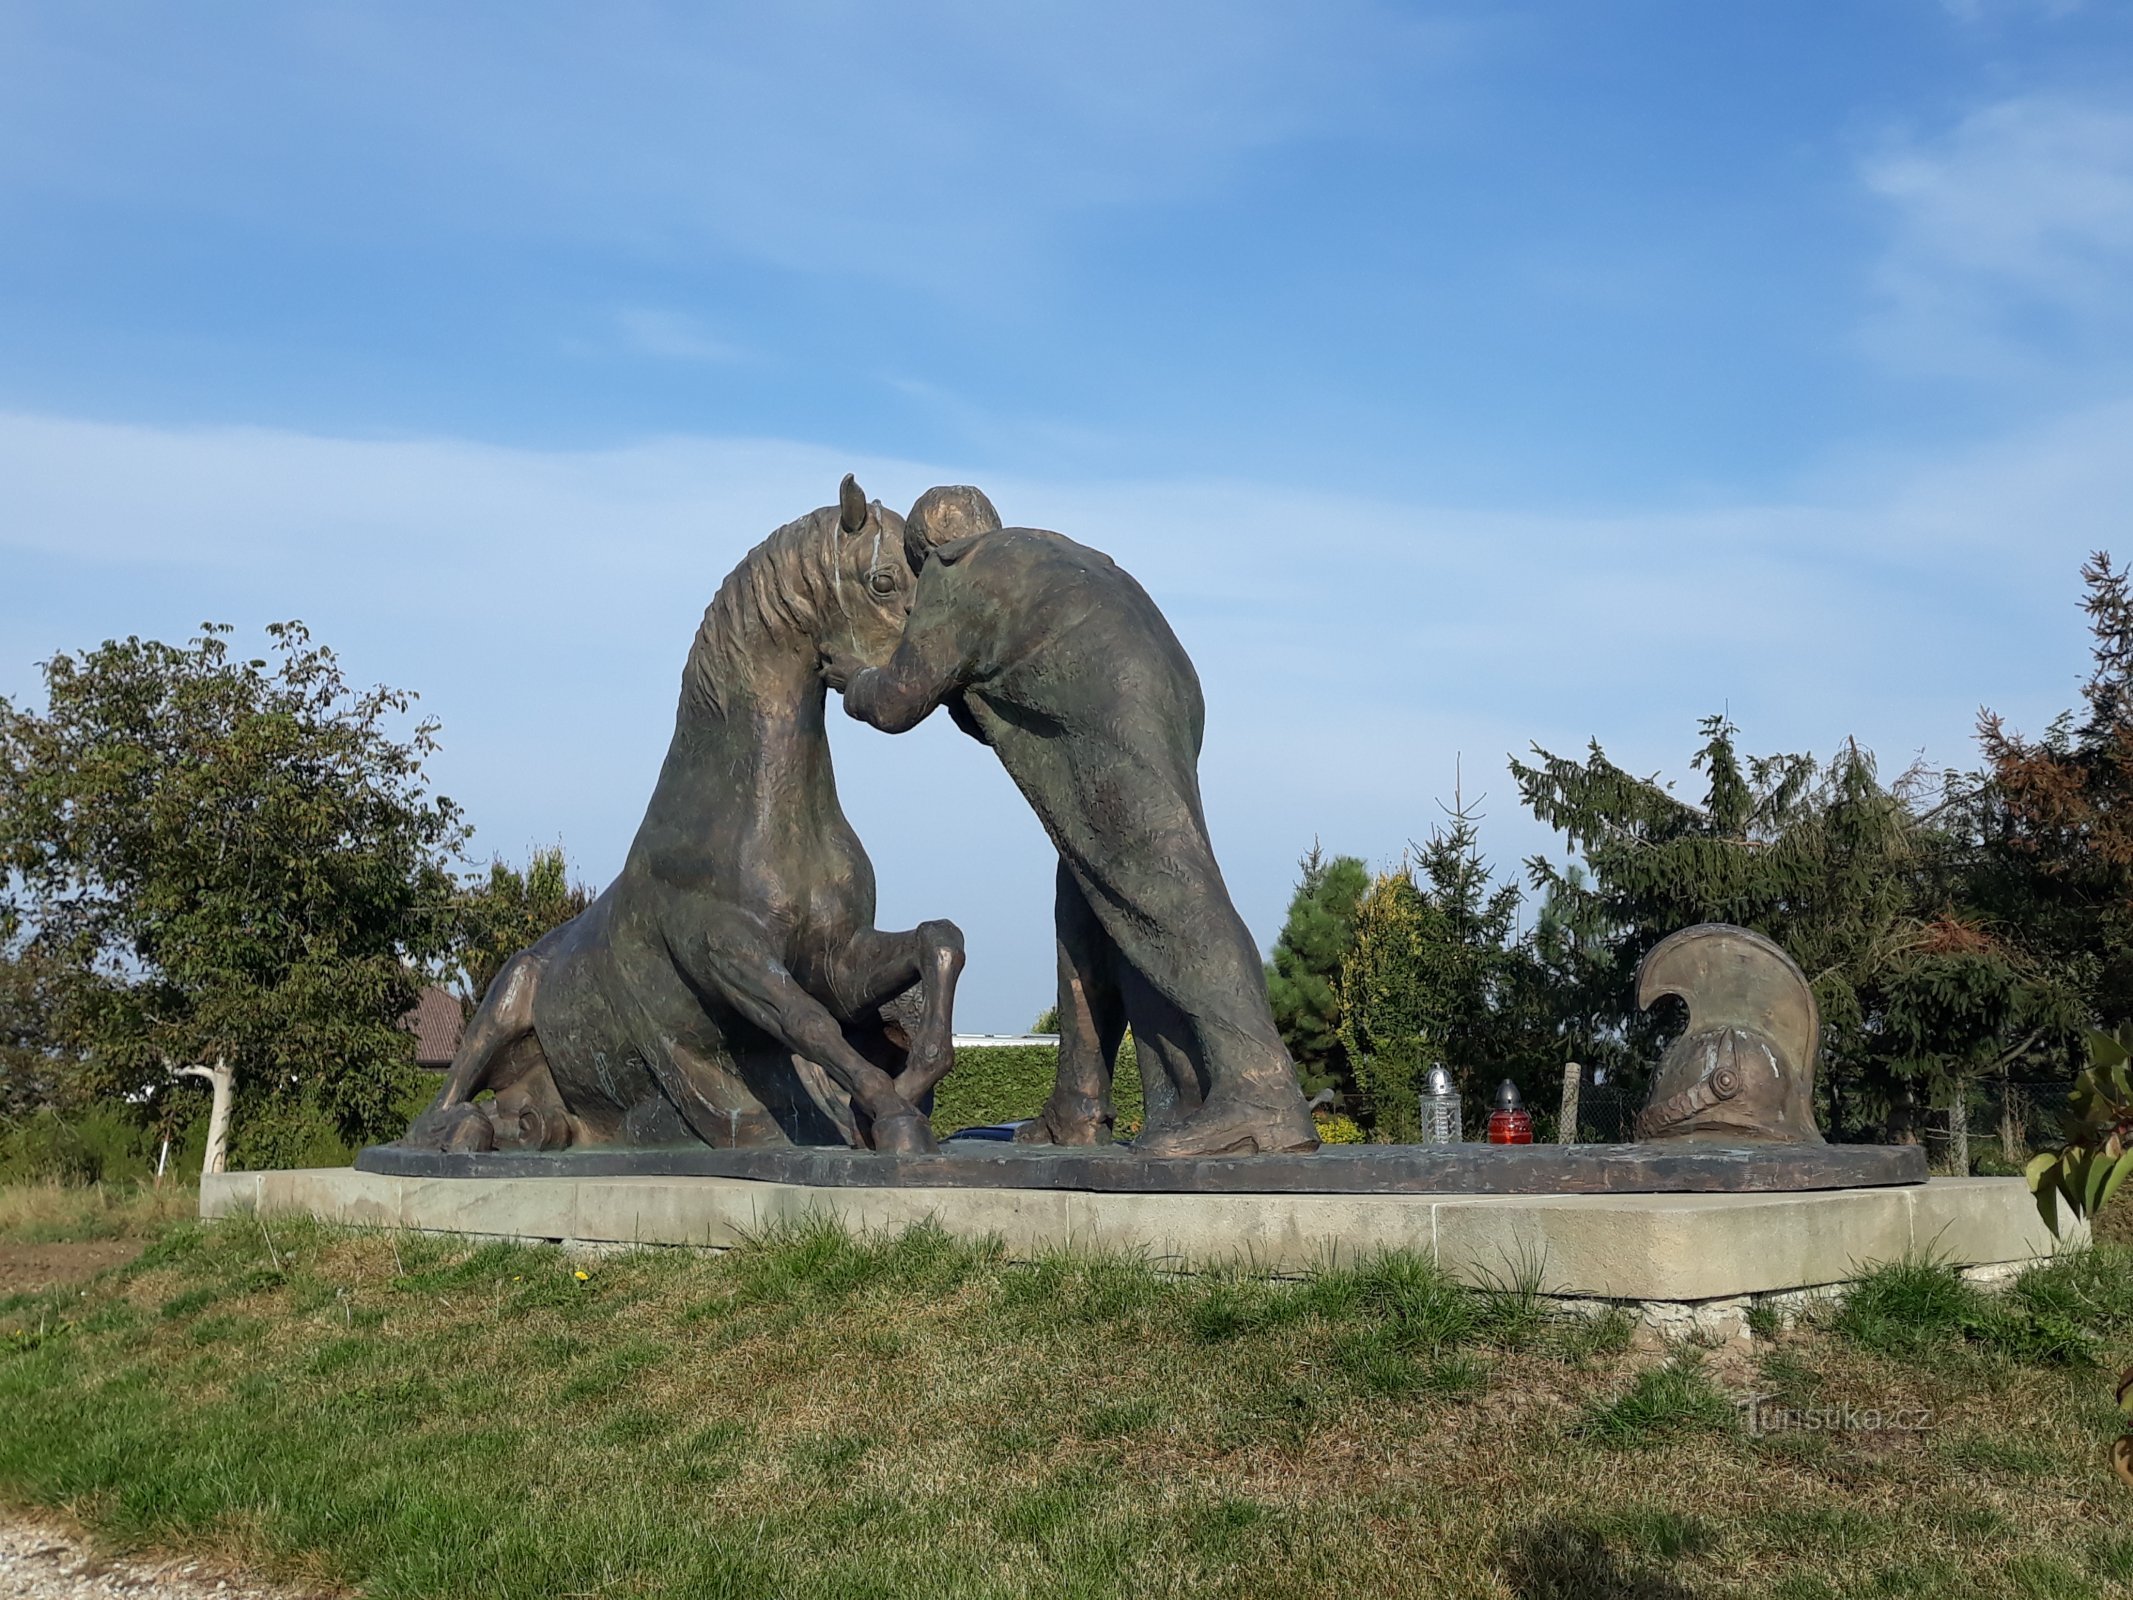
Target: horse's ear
851,505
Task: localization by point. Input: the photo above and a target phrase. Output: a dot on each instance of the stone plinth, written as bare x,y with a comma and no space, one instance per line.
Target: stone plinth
1645,1247
1666,1167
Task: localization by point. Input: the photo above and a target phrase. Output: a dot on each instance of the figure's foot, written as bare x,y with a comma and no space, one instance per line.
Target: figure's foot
907,1133
1073,1120
460,1128
1230,1127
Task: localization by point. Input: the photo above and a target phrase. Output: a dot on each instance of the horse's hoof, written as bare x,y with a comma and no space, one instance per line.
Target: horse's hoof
463,1128
908,1134
522,1123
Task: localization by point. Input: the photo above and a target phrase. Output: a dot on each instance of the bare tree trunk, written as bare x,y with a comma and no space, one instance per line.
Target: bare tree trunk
1959,1128
1566,1125
218,1117
2010,1142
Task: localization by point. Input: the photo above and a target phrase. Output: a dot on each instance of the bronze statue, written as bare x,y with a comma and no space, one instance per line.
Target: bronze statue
1050,653
1745,1069
728,987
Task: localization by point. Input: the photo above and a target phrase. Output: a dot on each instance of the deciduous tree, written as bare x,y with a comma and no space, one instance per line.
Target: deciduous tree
229,858
509,911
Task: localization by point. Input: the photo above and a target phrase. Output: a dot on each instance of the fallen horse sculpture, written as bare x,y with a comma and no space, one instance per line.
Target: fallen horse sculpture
728,986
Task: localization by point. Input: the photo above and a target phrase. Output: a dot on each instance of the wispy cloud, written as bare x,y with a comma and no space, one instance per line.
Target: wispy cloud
1352,644
2011,240
928,142
671,336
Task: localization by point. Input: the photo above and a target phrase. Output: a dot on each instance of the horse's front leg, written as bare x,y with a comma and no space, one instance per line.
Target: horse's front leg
875,967
743,966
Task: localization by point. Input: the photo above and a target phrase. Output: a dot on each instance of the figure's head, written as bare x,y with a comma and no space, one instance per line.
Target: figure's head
943,515
870,579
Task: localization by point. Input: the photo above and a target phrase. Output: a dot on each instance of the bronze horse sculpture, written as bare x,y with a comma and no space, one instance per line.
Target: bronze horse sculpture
728,986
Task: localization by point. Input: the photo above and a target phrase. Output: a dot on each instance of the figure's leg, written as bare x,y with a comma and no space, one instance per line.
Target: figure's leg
1173,1083
1164,903
877,966
498,1052
749,977
1092,1022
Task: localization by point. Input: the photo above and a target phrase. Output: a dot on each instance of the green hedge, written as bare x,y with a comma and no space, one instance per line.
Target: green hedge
1008,1083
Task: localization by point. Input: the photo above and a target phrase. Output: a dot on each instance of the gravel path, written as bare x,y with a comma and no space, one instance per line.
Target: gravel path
42,1561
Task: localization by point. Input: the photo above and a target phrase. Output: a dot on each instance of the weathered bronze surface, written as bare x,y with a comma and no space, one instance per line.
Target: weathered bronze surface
1745,1069
1696,1168
1050,653
728,986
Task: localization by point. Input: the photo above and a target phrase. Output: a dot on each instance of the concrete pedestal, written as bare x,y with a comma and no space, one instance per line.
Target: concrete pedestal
1674,1248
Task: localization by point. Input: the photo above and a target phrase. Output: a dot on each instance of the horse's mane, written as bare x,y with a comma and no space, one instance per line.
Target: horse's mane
787,587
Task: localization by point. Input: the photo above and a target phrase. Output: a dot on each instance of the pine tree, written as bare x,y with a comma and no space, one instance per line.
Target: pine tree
1303,978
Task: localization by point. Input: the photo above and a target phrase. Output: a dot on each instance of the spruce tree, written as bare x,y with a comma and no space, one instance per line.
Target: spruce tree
1303,978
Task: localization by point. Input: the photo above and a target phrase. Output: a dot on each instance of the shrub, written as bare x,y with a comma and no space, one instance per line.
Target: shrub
102,1145
1009,1083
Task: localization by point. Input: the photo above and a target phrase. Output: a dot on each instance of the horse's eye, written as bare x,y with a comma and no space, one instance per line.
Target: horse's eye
883,583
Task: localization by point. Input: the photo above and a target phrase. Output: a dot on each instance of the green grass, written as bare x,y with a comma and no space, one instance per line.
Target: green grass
818,1416
1664,1402
2059,1312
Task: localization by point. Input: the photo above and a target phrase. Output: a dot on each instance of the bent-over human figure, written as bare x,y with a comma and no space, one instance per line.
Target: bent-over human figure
1050,653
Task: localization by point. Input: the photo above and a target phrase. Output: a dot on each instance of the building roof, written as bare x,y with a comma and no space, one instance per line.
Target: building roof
436,1022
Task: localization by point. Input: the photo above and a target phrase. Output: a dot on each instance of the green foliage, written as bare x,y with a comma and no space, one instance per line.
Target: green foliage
220,857
1303,978
99,1145
1435,976
32,1062
1009,1083
2085,1174
509,911
1863,884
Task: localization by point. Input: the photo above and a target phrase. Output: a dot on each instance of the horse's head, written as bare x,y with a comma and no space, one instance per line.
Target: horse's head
870,577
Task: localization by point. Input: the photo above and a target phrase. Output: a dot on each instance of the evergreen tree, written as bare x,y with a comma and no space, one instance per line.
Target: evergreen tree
1437,976
1303,978
2056,821
1866,886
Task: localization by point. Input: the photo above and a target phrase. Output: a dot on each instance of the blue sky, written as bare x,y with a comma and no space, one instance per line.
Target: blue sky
1455,376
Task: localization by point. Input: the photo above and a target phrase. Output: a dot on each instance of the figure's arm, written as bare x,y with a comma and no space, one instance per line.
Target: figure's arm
933,662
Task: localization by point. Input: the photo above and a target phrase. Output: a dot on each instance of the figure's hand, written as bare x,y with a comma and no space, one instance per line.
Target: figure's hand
839,670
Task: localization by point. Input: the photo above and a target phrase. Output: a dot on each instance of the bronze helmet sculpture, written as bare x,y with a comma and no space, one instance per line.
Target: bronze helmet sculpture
1744,1071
